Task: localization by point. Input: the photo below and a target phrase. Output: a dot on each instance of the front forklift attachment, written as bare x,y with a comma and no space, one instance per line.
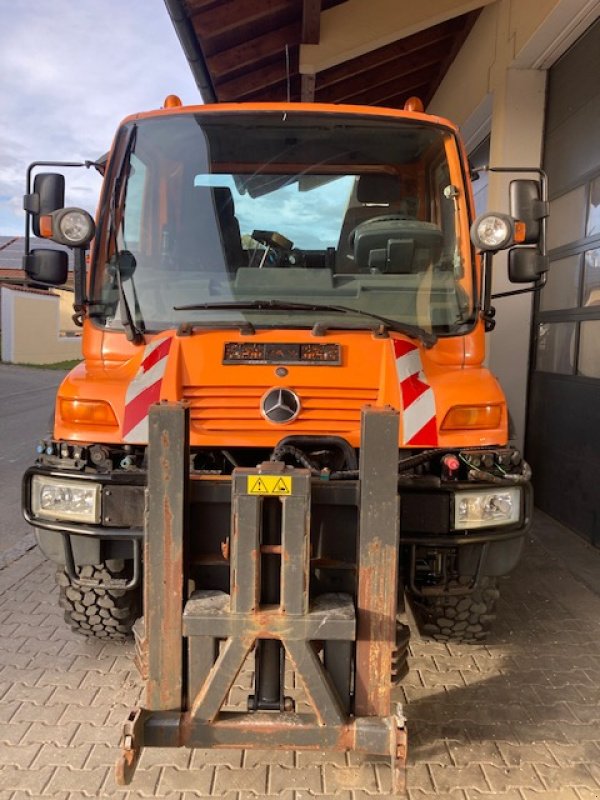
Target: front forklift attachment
196,639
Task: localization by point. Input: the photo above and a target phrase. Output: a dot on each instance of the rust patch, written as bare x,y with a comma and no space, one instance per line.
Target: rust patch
225,549
261,730
376,630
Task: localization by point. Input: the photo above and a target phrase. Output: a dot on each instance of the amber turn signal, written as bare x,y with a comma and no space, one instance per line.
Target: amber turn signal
45,224
472,417
87,412
520,231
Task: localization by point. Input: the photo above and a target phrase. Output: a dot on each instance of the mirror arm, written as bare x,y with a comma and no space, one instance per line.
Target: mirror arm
79,276
488,312
539,284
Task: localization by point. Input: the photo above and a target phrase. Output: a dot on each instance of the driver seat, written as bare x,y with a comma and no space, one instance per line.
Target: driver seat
229,228
378,195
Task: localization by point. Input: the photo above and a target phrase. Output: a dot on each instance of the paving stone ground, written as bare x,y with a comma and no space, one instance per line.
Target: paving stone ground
517,718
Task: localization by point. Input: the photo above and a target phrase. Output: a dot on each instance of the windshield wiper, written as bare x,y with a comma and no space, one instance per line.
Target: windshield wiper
133,331
412,331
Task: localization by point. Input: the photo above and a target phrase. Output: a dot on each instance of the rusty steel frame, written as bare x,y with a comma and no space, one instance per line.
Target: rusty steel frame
195,647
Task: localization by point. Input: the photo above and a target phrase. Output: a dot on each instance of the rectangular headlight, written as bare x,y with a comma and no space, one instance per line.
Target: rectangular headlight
487,509
58,499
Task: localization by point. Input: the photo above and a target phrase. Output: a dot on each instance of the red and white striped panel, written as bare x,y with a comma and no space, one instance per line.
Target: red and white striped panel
419,423
144,390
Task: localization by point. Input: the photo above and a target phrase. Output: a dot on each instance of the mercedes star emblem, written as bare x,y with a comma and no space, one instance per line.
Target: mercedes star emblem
280,405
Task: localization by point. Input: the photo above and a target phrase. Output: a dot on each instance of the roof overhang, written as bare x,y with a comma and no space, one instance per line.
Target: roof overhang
367,52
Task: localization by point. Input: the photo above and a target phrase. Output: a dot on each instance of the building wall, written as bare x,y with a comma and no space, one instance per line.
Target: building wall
66,324
31,329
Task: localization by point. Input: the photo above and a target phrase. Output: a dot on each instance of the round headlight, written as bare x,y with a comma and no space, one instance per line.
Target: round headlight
492,231
73,227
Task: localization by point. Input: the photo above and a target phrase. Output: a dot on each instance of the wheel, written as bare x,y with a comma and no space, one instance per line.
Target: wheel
457,618
101,613
400,653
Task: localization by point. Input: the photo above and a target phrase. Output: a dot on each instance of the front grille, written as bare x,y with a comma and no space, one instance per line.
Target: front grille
216,409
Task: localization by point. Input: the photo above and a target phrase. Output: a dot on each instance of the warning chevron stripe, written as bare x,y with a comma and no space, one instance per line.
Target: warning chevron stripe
419,422
144,390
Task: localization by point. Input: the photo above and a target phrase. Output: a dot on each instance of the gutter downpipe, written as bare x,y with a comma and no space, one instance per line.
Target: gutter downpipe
192,51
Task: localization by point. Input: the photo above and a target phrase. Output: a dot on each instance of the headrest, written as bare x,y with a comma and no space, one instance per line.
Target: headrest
378,189
223,200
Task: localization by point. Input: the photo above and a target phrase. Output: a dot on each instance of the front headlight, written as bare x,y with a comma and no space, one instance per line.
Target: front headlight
58,499
487,509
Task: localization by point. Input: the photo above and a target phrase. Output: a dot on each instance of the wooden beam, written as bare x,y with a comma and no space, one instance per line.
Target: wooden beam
360,26
197,6
398,100
432,38
229,14
377,95
237,60
258,79
372,81
277,93
311,21
469,21
228,26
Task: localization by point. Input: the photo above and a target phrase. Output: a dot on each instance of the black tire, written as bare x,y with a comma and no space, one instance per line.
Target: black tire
400,653
96,612
457,618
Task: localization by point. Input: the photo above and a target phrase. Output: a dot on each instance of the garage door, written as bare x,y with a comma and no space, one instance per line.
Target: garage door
563,430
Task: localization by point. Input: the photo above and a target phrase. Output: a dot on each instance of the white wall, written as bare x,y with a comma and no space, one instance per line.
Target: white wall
31,330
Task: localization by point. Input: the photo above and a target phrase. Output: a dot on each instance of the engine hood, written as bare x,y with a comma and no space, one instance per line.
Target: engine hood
274,386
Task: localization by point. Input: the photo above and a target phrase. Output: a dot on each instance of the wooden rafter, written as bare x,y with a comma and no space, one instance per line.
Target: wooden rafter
311,21
242,44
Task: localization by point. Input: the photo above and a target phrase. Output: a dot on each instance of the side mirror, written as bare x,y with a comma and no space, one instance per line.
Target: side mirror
47,266
526,264
526,205
48,195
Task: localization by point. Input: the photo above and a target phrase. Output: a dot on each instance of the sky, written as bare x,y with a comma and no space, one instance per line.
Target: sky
70,71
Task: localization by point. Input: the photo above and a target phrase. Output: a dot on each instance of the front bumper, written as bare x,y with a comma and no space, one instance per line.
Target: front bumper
426,513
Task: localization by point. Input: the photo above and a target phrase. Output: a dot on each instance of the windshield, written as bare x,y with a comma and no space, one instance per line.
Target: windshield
353,213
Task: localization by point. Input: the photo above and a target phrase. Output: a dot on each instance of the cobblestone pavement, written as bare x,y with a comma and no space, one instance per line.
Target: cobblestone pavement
515,719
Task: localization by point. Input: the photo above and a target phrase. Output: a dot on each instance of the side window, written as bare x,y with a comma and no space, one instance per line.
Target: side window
134,202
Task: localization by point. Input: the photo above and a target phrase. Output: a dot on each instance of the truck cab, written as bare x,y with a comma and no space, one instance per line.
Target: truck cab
278,268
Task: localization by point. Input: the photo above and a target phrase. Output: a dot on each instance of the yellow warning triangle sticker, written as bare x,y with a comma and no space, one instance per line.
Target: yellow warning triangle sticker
283,486
269,484
259,487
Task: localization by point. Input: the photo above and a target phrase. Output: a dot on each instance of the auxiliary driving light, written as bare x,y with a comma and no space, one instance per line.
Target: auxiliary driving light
72,227
58,499
486,509
493,232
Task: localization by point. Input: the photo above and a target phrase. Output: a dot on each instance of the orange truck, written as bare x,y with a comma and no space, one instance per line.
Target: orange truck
277,269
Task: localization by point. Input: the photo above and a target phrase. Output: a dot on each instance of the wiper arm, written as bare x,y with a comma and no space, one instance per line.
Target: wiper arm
412,331
132,331
259,305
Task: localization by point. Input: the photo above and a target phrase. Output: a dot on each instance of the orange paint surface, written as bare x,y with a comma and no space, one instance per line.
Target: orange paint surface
225,399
